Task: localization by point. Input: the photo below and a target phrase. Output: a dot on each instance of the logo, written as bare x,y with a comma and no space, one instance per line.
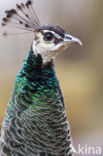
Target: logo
88,150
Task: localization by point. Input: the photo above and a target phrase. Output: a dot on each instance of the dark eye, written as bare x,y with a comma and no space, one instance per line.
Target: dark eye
48,36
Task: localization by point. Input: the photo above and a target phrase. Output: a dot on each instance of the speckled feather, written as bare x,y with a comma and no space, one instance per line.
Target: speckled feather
36,122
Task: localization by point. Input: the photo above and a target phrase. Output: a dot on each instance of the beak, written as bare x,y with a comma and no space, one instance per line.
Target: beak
68,39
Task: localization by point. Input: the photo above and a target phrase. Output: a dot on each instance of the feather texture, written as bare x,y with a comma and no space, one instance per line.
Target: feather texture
23,17
36,122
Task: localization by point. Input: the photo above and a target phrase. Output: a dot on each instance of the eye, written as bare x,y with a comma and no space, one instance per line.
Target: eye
48,36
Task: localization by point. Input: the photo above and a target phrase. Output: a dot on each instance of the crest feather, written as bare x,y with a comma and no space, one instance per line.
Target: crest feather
23,17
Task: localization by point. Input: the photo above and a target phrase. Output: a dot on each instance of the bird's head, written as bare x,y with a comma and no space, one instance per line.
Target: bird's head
48,40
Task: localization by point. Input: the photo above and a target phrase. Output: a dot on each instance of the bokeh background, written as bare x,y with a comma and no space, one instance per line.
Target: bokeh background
79,69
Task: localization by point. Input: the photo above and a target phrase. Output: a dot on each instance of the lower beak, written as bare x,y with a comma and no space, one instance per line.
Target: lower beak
68,39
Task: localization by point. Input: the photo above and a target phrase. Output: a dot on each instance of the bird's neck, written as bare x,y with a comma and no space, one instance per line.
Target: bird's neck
34,71
36,87
36,112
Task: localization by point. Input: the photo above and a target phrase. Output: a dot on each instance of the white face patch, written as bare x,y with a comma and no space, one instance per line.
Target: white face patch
48,50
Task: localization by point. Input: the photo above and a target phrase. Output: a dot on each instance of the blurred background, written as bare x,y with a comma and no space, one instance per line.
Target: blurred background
79,69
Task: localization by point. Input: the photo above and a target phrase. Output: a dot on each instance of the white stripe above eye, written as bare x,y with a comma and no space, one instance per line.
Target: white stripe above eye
54,33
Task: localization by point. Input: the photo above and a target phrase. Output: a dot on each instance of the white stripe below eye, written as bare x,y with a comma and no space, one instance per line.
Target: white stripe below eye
55,34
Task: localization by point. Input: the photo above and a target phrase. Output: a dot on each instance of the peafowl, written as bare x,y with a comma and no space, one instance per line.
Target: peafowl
36,123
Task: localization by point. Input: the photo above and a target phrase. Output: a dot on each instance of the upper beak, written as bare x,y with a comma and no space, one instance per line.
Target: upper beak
70,39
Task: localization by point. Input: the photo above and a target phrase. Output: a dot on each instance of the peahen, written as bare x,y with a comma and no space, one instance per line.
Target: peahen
36,122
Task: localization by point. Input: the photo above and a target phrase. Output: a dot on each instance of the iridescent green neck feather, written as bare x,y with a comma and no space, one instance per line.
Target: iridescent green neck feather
36,82
36,122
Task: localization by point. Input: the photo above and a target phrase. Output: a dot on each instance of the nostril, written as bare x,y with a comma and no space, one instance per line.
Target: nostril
70,38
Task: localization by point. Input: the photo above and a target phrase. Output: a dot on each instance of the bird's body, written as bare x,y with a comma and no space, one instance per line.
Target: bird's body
36,122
